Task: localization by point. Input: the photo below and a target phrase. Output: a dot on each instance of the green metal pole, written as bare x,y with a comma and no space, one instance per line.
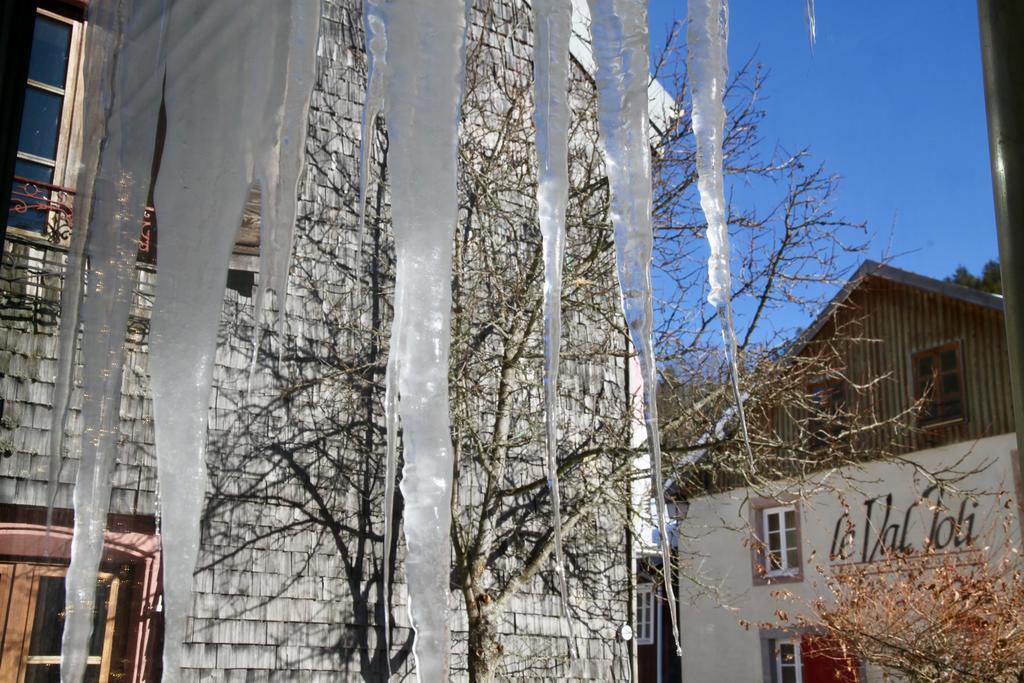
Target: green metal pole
1002,51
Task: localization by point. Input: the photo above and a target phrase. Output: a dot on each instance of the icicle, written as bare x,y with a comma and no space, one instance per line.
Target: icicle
124,58
422,96
390,473
552,28
812,24
620,43
223,100
707,41
376,39
281,166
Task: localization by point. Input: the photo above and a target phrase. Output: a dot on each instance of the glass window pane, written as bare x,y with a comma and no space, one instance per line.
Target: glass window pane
792,560
790,519
951,383
924,366
51,47
788,674
48,623
30,170
774,562
773,522
791,538
50,673
42,673
29,207
100,620
948,359
40,123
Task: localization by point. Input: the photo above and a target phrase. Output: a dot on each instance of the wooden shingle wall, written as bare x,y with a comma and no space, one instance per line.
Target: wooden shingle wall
890,321
289,581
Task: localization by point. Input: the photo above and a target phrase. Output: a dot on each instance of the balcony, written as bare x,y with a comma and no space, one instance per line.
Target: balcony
41,212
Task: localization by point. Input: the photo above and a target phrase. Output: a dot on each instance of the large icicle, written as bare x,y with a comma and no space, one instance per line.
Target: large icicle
124,63
280,164
812,22
552,29
620,40
707,42
376,40
227,66
423,92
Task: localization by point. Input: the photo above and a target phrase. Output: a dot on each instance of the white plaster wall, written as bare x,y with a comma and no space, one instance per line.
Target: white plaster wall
716,581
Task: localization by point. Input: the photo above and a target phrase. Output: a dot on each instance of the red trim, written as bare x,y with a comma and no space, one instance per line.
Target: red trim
127,541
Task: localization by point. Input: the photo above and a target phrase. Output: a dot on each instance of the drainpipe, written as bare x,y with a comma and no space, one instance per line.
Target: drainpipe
17,21
1002,50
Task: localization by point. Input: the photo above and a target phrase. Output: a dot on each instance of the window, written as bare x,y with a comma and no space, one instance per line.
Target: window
41,204
787,662
829,400
645,606
781,541
938,383
32,598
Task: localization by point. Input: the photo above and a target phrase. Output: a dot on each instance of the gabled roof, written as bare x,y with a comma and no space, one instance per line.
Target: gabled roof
904,277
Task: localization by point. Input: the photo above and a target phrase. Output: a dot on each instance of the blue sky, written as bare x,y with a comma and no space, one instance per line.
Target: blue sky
891,99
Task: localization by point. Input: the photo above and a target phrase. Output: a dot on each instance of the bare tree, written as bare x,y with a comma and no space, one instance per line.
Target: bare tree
927,617
316,429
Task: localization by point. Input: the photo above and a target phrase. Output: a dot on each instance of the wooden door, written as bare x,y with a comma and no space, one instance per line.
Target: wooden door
32,598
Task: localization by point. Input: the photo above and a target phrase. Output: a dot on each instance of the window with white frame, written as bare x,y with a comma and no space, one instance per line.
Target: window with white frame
781,541
645,606
788,667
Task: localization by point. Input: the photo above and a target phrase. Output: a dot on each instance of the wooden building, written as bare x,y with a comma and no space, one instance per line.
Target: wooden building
922,364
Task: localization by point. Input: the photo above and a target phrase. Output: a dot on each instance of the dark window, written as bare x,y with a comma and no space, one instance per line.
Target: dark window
828,401
939,385
39,202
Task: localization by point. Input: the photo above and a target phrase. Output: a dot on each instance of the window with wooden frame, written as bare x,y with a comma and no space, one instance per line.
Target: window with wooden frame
828,401
645,611
41,202
49,148
939,385
32,617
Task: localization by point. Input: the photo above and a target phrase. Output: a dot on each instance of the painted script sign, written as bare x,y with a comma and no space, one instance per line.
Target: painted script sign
934,520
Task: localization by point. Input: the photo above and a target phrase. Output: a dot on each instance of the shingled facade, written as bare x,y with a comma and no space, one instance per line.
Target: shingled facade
289,585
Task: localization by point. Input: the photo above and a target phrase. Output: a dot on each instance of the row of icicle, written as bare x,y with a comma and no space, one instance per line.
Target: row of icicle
234,82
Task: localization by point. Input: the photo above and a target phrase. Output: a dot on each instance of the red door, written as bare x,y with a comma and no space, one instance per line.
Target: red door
825,661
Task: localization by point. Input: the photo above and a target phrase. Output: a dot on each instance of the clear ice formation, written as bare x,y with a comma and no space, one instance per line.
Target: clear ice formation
423,84
232,114
707,42
220,59
280,162
620,43
552,29
235,80
812,22
376,42
120,129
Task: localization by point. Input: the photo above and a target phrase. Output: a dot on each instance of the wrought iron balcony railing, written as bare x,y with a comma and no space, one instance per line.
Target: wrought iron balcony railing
45,212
